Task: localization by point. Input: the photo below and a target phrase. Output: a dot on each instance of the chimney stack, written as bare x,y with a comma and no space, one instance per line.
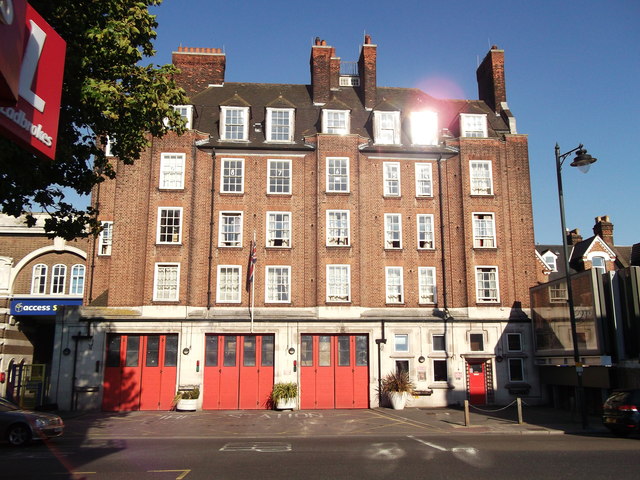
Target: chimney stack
199,68
491,83
604,229
574,237
367,71
322,66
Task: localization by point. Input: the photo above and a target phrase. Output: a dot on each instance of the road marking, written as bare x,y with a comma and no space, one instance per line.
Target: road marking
262,447
183,474
432,445
469,450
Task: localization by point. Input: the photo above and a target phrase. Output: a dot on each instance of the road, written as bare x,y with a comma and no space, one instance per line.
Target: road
476,457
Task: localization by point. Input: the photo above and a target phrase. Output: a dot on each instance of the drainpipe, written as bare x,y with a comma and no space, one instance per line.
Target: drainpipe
445,300
380,341
211,218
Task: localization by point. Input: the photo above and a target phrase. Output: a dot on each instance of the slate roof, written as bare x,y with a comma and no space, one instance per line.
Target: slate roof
308,116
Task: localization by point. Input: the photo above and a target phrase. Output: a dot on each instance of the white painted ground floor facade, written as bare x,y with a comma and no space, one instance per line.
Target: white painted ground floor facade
120,359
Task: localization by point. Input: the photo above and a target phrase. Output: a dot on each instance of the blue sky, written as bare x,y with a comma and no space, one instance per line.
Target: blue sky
572,70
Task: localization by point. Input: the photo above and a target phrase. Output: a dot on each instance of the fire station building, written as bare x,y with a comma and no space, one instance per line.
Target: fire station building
324,234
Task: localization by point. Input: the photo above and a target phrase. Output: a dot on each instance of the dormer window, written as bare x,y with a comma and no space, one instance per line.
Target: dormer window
599,263
473,125
234,123
424,128
551,259
335,121
387,128
186,112
280,125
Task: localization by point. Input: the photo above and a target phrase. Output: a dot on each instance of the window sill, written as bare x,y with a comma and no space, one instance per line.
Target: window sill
485,248
482,195
492,303
440,386
166,189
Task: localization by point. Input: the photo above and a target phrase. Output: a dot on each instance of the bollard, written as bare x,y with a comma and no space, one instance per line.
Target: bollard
519,404
467,421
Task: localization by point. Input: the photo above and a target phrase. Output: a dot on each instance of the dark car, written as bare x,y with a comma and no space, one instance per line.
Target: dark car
19,427
620,412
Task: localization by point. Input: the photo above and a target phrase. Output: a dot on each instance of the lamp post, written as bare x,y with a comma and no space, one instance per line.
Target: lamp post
583,161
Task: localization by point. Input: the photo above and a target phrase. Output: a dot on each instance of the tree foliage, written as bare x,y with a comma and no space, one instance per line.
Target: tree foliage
107,92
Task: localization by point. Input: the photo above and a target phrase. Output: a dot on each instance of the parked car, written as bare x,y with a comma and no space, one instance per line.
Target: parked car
620,412
19,427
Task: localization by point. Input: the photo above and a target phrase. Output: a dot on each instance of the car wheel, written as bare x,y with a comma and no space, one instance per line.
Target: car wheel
18,435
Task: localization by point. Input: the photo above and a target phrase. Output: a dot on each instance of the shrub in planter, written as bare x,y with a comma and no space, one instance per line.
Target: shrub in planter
397,386
284,394
186,400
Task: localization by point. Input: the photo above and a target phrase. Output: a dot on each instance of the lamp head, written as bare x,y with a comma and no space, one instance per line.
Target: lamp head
583,160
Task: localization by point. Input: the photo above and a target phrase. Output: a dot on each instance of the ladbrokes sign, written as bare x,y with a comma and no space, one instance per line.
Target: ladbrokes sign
33,121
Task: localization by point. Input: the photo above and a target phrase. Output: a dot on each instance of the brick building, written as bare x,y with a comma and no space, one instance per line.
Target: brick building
39,276
393,231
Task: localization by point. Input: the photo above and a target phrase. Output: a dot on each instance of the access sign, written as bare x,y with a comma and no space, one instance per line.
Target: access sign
33,121
40,307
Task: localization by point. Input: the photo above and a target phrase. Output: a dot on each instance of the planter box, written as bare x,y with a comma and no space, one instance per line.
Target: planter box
286,404
187,405
398,400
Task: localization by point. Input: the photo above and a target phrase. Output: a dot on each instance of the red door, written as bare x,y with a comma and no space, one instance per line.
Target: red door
334,371
140,372
477,383
238,372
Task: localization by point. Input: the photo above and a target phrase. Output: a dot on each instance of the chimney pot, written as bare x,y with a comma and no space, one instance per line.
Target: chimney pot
324,43
367,39
318,41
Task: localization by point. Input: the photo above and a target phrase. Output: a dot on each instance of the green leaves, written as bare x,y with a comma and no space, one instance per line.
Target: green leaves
106,94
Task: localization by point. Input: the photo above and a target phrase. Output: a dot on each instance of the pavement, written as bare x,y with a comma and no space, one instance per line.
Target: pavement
308,423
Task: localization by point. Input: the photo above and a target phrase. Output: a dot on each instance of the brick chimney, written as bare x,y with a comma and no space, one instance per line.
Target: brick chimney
574,237
491,84
604,229
367,71
323,68
199,68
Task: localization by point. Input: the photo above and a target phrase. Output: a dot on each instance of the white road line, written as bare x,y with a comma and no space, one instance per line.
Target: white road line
432,445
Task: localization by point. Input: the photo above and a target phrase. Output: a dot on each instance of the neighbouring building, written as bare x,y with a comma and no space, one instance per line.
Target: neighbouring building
605,280
39,277
325,234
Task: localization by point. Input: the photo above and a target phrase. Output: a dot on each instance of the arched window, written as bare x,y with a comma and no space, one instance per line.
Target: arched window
39,279
58,279
77,280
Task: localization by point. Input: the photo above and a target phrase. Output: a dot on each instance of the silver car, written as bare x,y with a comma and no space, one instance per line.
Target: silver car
19,427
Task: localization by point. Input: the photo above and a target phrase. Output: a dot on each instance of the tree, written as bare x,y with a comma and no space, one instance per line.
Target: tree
107,93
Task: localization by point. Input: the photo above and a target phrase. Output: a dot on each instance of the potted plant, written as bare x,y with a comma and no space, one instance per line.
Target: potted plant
284,395
397,386
187,400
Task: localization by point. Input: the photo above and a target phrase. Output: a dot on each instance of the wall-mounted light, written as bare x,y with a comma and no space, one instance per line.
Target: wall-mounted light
291,350
421,359
185,351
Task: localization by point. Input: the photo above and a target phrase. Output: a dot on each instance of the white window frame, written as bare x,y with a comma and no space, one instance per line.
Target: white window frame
242,129
223,232
519,336
473,125
234,293
338,179
558,292
424,180
600,267
484,230
76,286
273,221
279,182
165,229
551,259
329,124
186,112
392,234
433,370
401,343
172,167
58,283
521,368
482,339
276,129
424,128
169,292
433,343
391,179
338,233
483,271
386,127
39,279
338,283
427,293
426,232
481,177
105,239
229,174
394,285
277,287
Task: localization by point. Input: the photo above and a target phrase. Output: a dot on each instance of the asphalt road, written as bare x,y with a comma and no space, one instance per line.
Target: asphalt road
467,456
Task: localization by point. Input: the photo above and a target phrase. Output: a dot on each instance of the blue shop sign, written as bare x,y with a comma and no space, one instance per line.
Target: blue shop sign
40,307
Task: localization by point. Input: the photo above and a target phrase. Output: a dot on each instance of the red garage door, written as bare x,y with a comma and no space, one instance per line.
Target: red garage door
238,372
334,371
140,372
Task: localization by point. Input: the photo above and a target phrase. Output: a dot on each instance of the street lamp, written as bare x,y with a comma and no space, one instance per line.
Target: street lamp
583,161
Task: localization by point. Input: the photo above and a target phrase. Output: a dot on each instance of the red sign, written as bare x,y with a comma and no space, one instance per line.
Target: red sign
12,31
33,121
